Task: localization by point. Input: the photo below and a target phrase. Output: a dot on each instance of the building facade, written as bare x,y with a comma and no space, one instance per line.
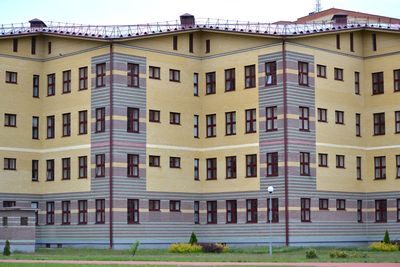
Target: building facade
117,134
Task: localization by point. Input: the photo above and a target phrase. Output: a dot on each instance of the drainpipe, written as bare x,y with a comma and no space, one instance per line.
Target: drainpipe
285,139
111,146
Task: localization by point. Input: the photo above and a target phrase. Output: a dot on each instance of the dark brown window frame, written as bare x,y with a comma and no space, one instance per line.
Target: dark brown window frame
196,212
133,120
195,84
322,160
66,81
305,209
100,214
275,210
175,118
272,164
33,45
380,168
154,115
174,75
270,73
251,165
50,126
305,160
174,205
340,161
35,127
66,168
340,204
100,120
377,83
154,205
321,71
208,46
337,41
66,124
358,124
212,212
51,84
175,42
10,120
100,161
251,210
322,115
66,212
359,211
210,83
154,161
35,170
397,166
357,83
154,72
323,204
196,169
133,75
10,164
339,117
230,123
351,42
50,209
398,209
101,75
230,80
379,123
251,120
211,125
133,211
380,210
374,43
231,170
338,74
83,78
133,165
82,167
396,80
175,162
190,42
83,122
15,44
358,168
231,211
250,76
271,118
82,211
35,86
304,118
211,164
11,77
303,70
397,121
196,131
50,170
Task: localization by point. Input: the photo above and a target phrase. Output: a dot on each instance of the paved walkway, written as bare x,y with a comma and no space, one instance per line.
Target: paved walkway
175,263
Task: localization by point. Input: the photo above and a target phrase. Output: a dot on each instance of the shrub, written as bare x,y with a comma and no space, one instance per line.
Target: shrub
184,248
134,248
7,249
193,239
214,247
380,246
338,254
386,238
311,253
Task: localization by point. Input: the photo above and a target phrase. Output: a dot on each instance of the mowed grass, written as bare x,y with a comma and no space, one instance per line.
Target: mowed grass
256,254
86,265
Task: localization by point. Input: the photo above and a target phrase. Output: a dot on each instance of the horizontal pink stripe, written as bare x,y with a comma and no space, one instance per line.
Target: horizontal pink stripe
129,144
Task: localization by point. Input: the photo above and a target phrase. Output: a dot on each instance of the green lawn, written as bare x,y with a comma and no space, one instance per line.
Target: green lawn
256,254
83,265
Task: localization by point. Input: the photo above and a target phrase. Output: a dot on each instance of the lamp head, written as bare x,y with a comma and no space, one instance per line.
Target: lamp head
270,189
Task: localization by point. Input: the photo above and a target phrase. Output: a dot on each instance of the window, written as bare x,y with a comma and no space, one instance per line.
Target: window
175,118
133,211
229,80
133,75
11,77
24,221
251,165
337,41
100,165
358,124
231,211
211,212
322,115
15,45
377,83
351,42
373,41
208,46
340,161
154,115
82,212
398,209
5,221
51,84
82,126
154,72
396,80
83,78
196,212
275,210
305,210
339,117
271,117
212,169
66,121
251,211
381,211
133,165
50,170
270,73
250,76
65,212
195,84
272,164
340,204
35,170
9,204
174,162
251,120
305,164
397,166
33,45
100,211
303,73
100,75
196,174
175,42
304,119
174,205
321,71
359,211
191,42
322,160
10,120
154,161
380,167
338,74
397,121
379,123
358,168
82,161
50,212
10,164
230,123
154,205
356,82
50,127
210,83
174,75
35,127
323,204
66,168
196,126
211,125
133,115
100,120
35,86
230,167
66,82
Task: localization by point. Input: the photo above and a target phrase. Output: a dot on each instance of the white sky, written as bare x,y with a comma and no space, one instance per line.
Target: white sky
102,12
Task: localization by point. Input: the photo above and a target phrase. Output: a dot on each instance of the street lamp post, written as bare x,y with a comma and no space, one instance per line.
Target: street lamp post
270,191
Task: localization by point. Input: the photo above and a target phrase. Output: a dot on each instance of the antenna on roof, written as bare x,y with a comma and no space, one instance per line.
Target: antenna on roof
318,6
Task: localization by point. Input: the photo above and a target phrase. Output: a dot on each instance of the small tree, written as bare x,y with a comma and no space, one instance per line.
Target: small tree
386,238
193,239
134,247
7,249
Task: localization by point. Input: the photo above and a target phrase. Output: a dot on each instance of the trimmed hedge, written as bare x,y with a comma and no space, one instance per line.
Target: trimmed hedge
184,248
380,246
